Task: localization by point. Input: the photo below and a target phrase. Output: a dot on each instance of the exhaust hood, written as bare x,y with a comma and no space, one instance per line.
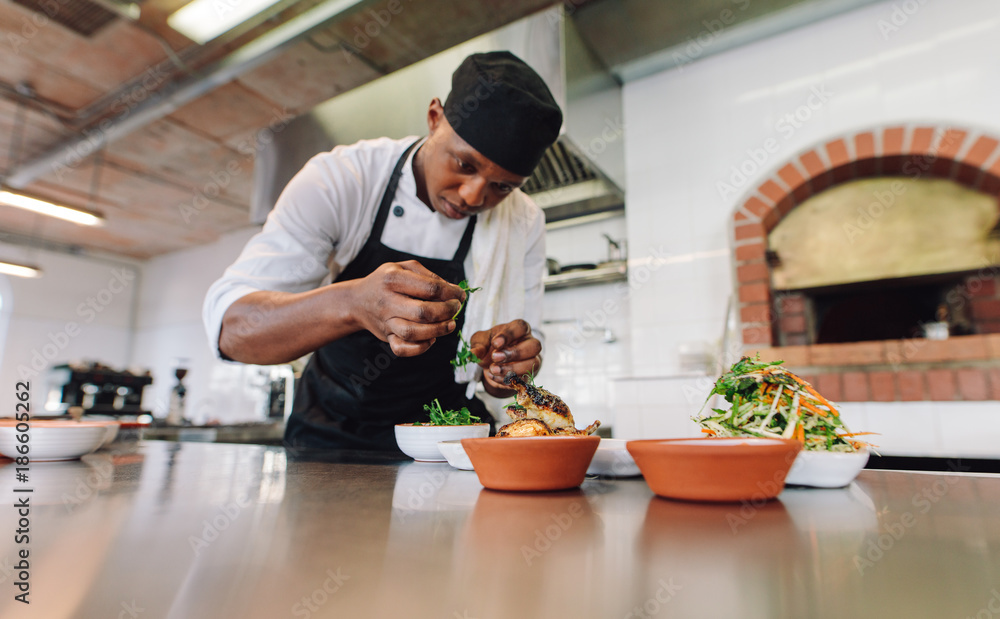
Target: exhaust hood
581,175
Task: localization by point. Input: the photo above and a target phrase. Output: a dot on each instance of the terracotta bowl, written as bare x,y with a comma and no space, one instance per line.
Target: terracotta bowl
531,463
715,469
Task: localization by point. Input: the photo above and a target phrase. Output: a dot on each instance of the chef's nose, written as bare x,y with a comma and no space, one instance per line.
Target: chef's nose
473,191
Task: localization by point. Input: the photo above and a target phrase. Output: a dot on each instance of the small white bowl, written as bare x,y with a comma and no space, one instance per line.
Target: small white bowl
52,440
455,454
826,469
421,442
612,459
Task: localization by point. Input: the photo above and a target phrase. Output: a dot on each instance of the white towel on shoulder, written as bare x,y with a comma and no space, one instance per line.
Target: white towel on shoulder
498,251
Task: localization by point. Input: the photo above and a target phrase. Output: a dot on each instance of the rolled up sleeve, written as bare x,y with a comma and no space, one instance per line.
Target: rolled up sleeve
292,250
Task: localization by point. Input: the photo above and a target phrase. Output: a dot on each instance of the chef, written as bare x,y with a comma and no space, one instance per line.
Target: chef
359,263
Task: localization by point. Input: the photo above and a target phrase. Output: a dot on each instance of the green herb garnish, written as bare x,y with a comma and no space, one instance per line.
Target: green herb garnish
441,417
464,355
464,285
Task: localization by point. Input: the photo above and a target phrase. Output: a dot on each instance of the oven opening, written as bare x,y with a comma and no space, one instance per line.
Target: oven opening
888,310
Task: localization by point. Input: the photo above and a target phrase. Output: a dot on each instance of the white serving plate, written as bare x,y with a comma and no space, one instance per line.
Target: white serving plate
421,442
455,454
612,459
826,469
53,440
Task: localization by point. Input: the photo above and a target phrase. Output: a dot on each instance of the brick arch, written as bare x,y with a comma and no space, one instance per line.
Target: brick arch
965,156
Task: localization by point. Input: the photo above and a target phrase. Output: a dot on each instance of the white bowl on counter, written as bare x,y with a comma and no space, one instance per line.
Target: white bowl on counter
612,459
455,454
421,442
826,469
52,440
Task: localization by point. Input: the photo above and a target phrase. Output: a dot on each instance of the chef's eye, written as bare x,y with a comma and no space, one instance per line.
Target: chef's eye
504,188
463,166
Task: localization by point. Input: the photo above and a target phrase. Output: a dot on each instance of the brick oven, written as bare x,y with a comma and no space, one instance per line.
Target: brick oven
890,354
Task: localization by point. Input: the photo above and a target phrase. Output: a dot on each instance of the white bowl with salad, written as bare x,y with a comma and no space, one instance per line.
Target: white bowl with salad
768,401
420,440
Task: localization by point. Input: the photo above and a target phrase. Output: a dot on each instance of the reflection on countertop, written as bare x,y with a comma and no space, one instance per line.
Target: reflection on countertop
193,530
260,433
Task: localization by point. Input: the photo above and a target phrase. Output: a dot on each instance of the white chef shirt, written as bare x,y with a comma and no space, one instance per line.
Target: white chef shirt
324,216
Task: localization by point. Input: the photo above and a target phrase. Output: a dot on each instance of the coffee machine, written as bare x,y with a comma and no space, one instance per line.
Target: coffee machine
96,388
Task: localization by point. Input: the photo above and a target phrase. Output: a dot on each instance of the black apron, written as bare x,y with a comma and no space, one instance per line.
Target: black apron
354,390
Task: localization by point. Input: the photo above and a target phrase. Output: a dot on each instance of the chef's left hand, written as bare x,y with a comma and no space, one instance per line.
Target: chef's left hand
504,348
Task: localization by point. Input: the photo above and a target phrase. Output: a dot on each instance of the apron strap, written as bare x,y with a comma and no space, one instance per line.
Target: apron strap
463,247
389,194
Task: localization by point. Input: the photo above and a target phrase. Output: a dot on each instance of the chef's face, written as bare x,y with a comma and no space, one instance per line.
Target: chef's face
457,180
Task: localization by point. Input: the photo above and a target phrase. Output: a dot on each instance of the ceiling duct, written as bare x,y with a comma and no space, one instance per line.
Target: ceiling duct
81,16
580,175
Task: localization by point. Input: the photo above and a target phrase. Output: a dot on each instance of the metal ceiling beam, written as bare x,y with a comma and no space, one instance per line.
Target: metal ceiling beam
162,103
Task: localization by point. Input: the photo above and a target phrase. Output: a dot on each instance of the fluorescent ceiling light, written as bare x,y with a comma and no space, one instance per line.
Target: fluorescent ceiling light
203,20
19,270
76,216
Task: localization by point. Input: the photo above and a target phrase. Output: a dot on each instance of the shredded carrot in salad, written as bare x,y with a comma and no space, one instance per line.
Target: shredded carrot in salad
769,401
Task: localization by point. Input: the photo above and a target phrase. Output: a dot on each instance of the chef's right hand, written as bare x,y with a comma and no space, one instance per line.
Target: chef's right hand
406,305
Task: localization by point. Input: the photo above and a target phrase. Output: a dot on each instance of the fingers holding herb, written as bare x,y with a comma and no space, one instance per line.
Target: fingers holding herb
505,346
405,305
464,355
523,358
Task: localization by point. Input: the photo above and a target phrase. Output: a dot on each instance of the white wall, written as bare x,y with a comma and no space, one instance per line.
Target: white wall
169,334
80,309
578,323
687,128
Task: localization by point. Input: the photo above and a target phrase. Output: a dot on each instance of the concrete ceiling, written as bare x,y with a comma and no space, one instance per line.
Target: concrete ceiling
185,178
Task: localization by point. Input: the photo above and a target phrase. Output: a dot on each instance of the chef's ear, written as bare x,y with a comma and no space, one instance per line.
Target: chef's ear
435,115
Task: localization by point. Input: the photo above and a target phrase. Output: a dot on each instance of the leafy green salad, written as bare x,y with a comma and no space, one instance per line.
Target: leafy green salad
768,401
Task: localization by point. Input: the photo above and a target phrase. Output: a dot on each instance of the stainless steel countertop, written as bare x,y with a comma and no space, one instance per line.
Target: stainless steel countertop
191,530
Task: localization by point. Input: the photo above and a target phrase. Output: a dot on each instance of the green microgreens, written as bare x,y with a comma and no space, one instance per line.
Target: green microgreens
441,417
464,285
464,355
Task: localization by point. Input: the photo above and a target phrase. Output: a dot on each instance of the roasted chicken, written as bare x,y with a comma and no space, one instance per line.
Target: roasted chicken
538,412
525,427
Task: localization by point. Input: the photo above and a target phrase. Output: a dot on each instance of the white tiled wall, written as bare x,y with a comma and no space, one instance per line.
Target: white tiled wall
953,429
587,331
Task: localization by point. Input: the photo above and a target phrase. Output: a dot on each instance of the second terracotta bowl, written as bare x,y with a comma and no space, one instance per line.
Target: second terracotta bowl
715,469
531,463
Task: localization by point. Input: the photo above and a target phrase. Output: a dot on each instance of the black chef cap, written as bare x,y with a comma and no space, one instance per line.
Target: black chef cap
503,109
